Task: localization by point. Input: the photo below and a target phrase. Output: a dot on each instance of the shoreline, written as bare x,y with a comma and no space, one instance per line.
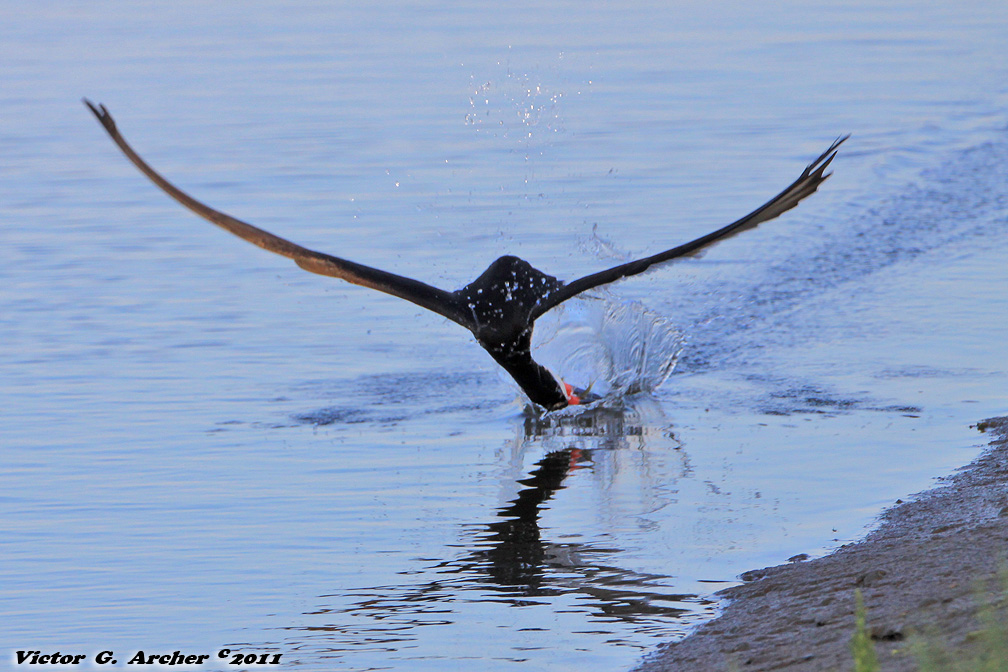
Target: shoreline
918,570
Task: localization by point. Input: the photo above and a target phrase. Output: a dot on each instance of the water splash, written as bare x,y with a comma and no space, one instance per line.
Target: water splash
518,106
618,348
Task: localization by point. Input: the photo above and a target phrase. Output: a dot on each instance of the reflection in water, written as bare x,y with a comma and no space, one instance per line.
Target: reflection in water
606,426
509,562
515,555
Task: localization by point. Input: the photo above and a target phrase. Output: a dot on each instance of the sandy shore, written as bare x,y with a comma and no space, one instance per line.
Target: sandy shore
918,571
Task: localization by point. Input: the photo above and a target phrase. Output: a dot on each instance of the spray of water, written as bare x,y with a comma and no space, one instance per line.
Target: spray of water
619,348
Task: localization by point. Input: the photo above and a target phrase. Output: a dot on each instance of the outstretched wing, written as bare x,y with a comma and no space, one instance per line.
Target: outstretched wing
441,302
805,185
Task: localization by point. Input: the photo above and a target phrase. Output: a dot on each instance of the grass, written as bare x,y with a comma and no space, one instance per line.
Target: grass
986,649
862,646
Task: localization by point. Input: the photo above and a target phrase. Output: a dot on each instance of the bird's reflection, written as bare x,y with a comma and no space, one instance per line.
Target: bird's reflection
515,555
509,562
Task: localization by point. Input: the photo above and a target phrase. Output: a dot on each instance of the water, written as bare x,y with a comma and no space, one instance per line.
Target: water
205,447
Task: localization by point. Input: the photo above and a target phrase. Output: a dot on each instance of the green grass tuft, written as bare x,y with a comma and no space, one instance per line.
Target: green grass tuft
986,649
862,646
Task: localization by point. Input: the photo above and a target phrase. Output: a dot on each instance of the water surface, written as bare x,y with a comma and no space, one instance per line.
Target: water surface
204,446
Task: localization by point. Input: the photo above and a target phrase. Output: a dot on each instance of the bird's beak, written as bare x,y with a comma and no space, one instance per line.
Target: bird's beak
572,398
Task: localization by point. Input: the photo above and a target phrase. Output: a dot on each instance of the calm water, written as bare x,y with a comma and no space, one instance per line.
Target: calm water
205,447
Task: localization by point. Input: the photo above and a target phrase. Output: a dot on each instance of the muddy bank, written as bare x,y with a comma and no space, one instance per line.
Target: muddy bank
917,571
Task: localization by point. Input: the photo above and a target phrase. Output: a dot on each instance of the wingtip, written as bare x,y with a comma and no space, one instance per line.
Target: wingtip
831,154
102,114
818,166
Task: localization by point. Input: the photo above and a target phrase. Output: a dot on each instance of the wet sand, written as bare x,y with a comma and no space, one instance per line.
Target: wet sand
919,571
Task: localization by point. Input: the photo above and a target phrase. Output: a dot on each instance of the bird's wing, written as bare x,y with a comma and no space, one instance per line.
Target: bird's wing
805,185
441,302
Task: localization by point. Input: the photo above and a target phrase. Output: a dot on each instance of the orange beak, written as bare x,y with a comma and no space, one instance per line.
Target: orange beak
572,399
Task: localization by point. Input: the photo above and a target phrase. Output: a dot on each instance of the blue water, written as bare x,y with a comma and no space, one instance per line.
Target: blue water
204,447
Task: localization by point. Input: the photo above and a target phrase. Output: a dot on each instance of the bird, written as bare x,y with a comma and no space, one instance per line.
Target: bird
499,307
